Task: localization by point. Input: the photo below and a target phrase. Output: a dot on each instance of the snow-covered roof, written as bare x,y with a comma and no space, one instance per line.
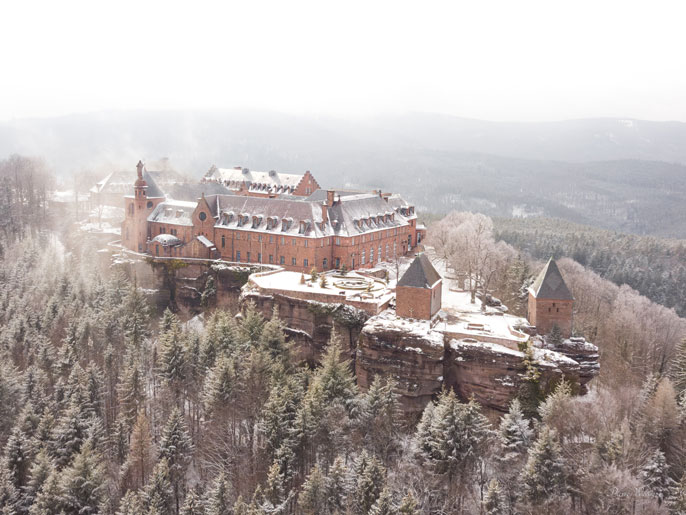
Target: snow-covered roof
167,240
202,239
550,285
176,212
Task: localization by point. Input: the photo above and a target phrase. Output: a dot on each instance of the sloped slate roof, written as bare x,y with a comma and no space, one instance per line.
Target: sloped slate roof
420,274
550,285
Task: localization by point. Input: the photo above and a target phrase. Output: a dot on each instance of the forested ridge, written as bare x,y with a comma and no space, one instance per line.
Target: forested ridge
655,267
109,407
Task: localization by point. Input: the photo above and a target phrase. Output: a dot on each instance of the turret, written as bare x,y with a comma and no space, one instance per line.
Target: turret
550,301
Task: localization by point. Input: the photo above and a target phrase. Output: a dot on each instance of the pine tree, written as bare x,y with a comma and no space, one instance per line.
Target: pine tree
544,474
49,498
370,477
529,393
408,506
677,371
273,339
173,367
176,449
136,317
219,499
312,499
41,469
493,502
313,275
9,495
335,375
158,492
379,416
455,438
336,487
132,389
323,283
192,505
655,475
384,504
514,432
252,323
554,337
83,483
140,456
676,502
132,504
17,458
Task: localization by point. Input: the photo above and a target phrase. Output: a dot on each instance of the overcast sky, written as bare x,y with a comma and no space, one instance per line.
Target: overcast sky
509,60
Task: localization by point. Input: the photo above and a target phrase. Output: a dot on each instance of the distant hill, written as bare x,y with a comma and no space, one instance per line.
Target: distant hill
612,173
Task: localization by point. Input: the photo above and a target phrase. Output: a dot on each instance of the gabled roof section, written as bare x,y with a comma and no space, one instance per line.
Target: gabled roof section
550,285
420,274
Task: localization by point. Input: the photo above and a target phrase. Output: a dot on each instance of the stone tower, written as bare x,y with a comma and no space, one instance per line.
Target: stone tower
418,292
550,301
134,229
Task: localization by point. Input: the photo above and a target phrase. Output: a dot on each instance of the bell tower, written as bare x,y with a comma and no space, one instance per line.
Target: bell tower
134,229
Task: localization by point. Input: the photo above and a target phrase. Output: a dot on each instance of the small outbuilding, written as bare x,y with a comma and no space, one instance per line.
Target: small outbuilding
550,301
418,292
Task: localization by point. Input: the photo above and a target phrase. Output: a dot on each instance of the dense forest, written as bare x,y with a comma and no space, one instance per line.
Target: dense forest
107,406
653,266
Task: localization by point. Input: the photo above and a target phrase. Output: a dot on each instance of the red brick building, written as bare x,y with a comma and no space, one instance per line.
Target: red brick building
325,230
550,301
418,292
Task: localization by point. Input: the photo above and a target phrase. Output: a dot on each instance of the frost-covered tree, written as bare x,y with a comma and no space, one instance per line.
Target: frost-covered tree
655,475
369,481
494,503
384,504
676,502
175,449
251,326
313,499
544,476
677,369
379,416
408,505
83,483
219,497
159,497
192,504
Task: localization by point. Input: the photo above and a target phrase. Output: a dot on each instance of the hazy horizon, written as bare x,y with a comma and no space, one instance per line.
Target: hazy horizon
529,61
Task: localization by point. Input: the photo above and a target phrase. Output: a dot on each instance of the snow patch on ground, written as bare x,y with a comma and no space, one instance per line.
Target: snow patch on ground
419,329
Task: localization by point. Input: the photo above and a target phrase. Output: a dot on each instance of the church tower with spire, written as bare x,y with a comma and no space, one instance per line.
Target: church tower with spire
550,301
134,229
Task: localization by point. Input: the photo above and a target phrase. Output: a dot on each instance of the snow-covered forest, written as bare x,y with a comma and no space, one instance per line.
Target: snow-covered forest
109,407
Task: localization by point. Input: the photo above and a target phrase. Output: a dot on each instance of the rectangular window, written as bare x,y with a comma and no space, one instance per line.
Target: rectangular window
338,241
247,236
305,262
362,258
259,257
271,258
283,240
294,261
247,257
282,260
338,262
223,241
259,237
305,243
238,235
238,255
271,239
294,242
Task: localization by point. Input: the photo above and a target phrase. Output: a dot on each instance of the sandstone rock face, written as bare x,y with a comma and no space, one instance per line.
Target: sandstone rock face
408,351
492,374
309,324
585,354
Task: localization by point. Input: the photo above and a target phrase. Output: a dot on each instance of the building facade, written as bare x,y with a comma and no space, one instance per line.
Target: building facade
550,301
418,292
322,231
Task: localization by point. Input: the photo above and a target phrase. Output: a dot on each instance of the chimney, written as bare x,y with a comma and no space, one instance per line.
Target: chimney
329,197
139,169
325,212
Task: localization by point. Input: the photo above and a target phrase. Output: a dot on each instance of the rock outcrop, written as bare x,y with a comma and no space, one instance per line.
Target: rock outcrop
410,352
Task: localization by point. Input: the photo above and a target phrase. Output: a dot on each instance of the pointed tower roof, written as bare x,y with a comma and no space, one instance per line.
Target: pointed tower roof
420,274
550,285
